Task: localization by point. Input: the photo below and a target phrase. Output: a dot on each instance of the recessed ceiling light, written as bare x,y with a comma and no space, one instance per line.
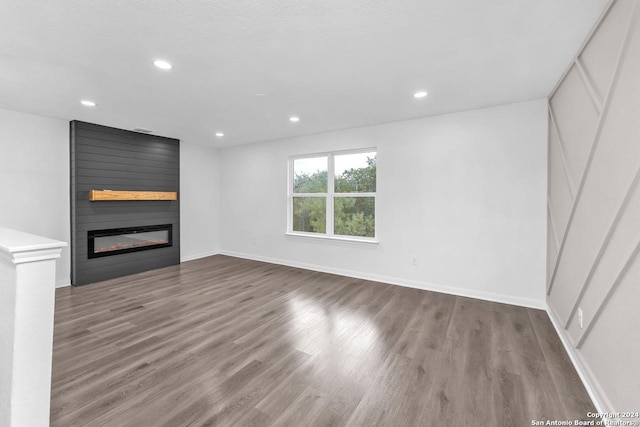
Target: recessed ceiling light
261,95
163,65
219,134
88,103
294,119
420,94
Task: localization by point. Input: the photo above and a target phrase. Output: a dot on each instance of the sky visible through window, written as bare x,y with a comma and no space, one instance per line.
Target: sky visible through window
343,162
309,166
346,162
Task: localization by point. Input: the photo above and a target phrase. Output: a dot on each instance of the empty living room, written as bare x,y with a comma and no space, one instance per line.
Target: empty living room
319,213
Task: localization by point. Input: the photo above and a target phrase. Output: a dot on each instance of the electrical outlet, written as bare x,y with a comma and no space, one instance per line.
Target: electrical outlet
253,240
580,318
414,261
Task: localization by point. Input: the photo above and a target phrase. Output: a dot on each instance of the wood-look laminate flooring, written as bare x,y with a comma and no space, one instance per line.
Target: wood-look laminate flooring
227,341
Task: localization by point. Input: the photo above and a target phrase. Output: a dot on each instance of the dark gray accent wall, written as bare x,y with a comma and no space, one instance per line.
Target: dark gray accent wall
104,158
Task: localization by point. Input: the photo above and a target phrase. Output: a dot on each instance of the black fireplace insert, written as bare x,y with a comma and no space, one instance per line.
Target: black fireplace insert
117,241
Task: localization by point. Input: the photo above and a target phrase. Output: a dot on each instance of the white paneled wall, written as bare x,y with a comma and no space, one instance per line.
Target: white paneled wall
594,208
575,116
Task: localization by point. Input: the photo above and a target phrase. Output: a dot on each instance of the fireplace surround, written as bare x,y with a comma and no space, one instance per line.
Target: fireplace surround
125,207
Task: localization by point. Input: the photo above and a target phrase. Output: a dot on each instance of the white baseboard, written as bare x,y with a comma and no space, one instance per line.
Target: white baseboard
198,256
471,293
597,395
62,283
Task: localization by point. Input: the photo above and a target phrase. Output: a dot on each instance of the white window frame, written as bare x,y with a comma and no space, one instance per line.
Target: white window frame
329,196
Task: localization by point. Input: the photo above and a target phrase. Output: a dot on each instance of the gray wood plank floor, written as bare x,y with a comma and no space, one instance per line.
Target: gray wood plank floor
226,341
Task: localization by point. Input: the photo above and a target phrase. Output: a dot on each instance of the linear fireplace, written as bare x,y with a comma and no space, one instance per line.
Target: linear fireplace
132,239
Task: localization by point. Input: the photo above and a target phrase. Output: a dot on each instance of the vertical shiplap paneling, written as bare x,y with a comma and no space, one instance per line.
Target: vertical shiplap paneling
600,244
114,159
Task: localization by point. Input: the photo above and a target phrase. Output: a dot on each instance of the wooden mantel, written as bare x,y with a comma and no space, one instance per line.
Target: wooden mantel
96,195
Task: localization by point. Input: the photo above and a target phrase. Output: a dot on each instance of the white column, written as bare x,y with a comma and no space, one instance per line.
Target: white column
27,291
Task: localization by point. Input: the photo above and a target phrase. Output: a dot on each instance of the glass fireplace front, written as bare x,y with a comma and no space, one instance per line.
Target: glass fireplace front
132,239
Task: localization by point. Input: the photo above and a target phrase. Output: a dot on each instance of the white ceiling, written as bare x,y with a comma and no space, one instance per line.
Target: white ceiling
334,63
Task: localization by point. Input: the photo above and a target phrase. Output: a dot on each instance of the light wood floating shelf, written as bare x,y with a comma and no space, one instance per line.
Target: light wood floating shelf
96,195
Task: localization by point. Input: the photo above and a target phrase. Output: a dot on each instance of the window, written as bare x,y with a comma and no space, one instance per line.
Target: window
333,195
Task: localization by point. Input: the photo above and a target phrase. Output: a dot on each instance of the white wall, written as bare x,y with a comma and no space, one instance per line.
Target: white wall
34,173
464,193
199,201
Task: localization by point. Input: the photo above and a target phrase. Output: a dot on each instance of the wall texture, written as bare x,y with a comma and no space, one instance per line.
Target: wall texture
107,158
594,207
34,172
200,206
464,193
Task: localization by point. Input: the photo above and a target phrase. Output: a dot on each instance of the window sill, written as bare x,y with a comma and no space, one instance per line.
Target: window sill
365,240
